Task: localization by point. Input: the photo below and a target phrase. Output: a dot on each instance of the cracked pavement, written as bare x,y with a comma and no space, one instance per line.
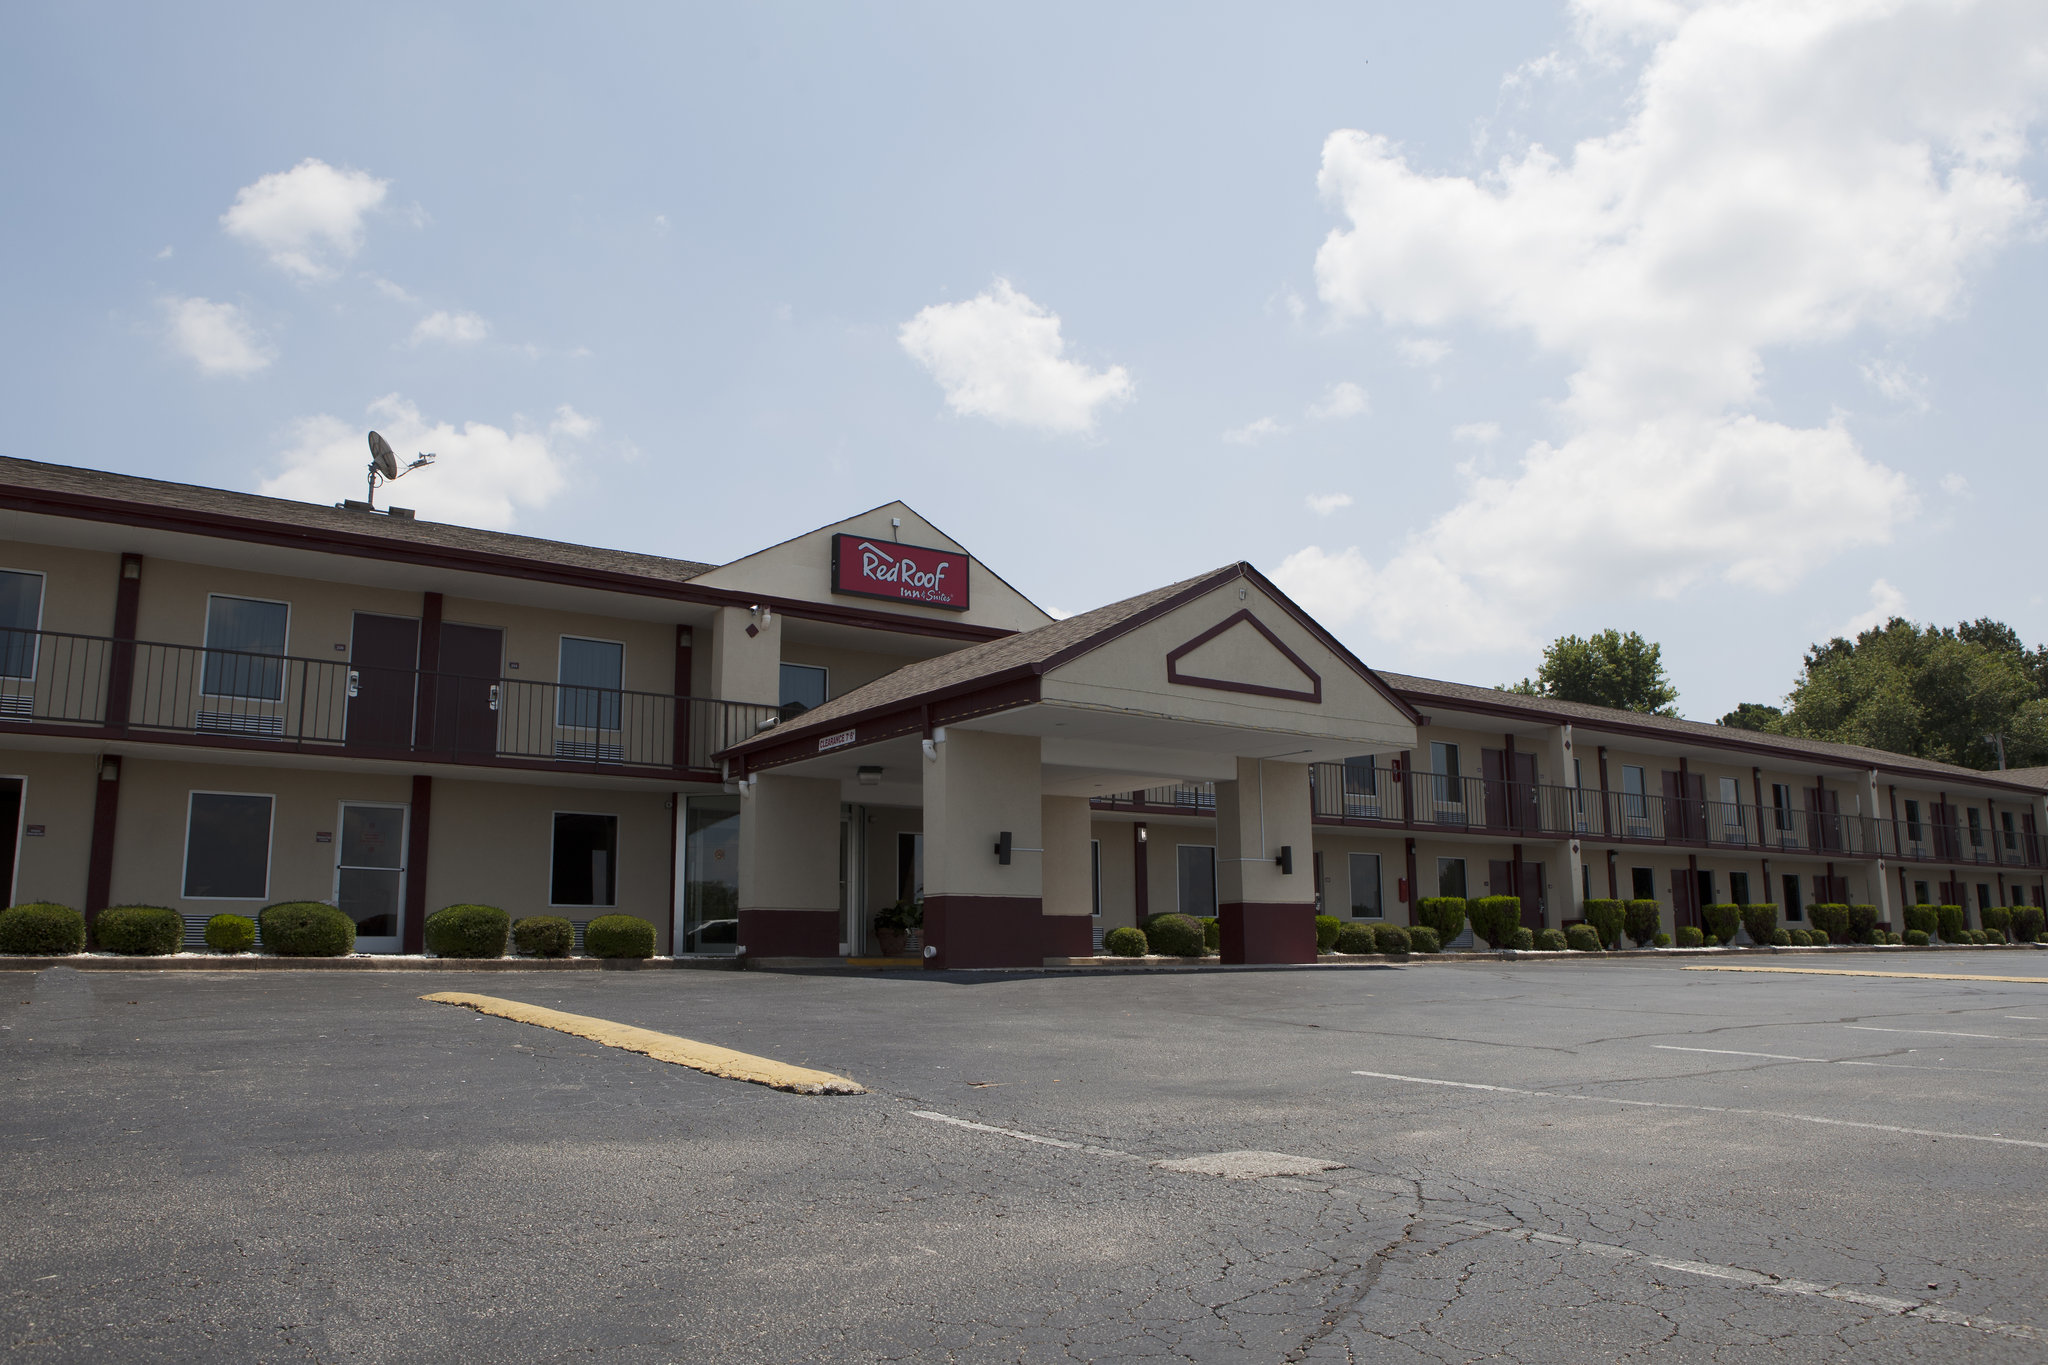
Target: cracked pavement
286,1166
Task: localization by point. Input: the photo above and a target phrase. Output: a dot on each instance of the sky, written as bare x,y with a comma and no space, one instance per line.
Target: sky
1471,324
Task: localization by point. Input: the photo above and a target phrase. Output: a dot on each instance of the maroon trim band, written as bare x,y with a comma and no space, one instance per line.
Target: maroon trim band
1313,693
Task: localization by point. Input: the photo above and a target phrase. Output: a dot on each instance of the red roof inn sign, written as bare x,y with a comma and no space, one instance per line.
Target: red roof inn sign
899,573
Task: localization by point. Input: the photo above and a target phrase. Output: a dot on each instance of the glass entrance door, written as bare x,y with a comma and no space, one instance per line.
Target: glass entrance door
369,874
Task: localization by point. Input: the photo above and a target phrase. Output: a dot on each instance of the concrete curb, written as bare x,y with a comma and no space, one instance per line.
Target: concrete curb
367,962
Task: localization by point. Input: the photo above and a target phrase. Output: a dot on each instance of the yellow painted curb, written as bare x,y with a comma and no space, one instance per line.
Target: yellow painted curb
663,1047
1841,971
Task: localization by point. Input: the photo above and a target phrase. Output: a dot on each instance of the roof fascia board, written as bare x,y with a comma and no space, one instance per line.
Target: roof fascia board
984,696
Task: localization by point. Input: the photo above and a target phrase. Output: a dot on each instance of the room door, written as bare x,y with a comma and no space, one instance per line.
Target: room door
468,700
383,663
369,873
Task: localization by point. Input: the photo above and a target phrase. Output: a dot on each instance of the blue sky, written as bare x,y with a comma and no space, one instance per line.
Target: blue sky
1472,323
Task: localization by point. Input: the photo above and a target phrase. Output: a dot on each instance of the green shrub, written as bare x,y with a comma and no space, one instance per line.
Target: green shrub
1974,937
1522,939
1689,936
1952,921
138,930
1607,919
1642,920
1582,938
544,936
1916,938
618,936
1720,920
1392,938
1444,914
2026,923
1124,942
1212,934
41,927
1327,929
1423,938
1660,939
1495,918
307,929
1863,924
1830,920
1712,940
1357,938
1997,919
1169,935
1802,939
1922,917
467,931
1781,938
1550,941
1762,922
231,933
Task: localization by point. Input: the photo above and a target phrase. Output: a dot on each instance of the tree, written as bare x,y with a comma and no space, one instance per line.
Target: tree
1611,669
1753,715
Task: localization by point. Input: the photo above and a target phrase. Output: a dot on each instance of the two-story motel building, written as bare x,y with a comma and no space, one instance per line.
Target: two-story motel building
212,701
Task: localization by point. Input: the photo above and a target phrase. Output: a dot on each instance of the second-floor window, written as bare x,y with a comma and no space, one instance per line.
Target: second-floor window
1976,828
1781,805
803,687
2006,825
591,675
21,616
1360,777
1635,803
245,640
1913,827
1731,804
1443,761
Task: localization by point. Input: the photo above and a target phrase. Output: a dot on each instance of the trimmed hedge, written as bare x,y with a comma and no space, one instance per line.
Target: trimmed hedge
1916,938
1762,922
1925,918
2026,923
1863,924
1607,919
1660,939
1444,914
544,936
1212,934
1550,941
1423,938
618,936
1327,929
1523,939
1124,942
1781,938
1689,936
1494,918
1582,938
231,933
1952,920
1357,938
139,930
1643,920
467,931
1392,938
1831,920
307,929
41,927
1169,935
1997,919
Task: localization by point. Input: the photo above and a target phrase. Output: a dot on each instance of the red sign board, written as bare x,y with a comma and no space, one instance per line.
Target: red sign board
899,573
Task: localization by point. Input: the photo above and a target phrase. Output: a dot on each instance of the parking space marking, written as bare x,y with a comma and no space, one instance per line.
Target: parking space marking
1847,971
1844,1061
1709,1109
1944,1033
1022,1136
663,1047
1731,1052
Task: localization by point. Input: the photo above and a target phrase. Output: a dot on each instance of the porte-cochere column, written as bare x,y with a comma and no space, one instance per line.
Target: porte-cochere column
1266,915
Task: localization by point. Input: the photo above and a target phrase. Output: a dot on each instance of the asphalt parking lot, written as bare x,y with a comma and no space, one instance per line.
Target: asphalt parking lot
1549,1161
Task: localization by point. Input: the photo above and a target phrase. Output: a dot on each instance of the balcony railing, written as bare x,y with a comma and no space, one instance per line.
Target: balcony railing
332,706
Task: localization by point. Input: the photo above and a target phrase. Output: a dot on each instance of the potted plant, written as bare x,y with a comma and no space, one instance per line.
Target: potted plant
893,926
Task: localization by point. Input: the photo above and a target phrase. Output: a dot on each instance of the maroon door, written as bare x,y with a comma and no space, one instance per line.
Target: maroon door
1685,809
1535,910
1684,898
1494,767
467,695
1830,890
1947,839
383,659
1824,819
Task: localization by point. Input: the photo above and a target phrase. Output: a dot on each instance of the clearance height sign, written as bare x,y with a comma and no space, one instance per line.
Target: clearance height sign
899,573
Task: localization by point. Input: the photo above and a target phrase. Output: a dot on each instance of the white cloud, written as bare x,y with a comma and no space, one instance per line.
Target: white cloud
1784,175
1886,602
1343,400
1479,433
1322,504
484,476
1955,485
166,253
216,337
305,217
457,329
1001,356
1419,350
1897,383
572,424
1251,433
393,290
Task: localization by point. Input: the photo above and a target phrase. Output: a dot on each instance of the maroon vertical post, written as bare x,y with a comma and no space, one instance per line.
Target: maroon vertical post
1141,872
675,834
1413,891
1614,879
427,694
680,756
1606,825
106,806
416,845
121,663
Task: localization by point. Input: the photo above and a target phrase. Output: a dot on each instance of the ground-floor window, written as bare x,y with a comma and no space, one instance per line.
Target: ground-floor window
1794,908
227,847
586,860
1984,895
1365,886
1450,876
909,866
1738,888
1920,894
1095,876
711,875
1197,879
1642,883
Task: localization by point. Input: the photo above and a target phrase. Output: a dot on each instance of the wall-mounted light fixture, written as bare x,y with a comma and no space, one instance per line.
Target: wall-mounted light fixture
869,775
1285,862
1004,848
110,767
1142,835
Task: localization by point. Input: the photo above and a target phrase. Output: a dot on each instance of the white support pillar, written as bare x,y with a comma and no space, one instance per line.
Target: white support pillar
979,912
1266,914
789,867
746,667
1068,880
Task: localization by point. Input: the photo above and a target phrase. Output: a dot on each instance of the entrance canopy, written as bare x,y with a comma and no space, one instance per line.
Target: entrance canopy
1174,685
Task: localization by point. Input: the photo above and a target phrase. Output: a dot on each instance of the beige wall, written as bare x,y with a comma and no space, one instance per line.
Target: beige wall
982,783
789,844
1265,808
58,792
1069,878
78,588
744,667
1337,850
1119,874
885,823
847,669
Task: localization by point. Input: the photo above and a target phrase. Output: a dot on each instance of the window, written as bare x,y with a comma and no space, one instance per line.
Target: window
591,674
1781,804
227,847
1095,876
1913,830
1443,761
21,616
1360,777
1197,879
245,648
803,687
1794,907
1450,876
1984,895
1731,804
2012,838
1635,803
1738,888
1920,894
909,867
1976,828
1365,886
586,862
1642,883
1585,881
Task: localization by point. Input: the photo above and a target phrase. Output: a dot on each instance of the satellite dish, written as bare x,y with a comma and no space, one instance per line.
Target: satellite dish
381,456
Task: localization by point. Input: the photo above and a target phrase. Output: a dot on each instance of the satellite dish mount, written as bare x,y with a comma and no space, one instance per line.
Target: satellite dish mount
384,465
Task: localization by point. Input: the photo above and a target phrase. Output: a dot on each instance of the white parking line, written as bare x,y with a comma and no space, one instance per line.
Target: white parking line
1847,1061
1709,1109
1943,1033
1038,1138
1731,1052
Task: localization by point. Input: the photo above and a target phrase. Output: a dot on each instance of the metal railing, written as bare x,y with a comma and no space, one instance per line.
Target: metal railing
332,705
